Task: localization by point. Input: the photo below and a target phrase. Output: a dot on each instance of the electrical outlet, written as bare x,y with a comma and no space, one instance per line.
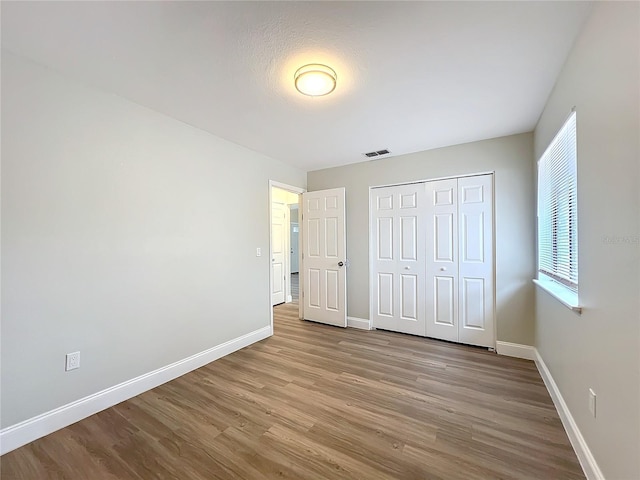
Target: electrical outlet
592,402
258,252
73,361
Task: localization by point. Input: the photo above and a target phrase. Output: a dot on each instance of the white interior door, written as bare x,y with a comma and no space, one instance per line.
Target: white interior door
278,253
475,268
398,275
442,261
324,257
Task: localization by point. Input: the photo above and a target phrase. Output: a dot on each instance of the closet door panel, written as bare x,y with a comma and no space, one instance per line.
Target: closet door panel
475,270
409,297
444,301
397,269
441,249
385,295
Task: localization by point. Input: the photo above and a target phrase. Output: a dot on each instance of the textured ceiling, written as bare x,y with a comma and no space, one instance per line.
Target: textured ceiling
411,75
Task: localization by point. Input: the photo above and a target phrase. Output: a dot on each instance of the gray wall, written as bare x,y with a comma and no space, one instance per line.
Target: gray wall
512,160
120,238
600,349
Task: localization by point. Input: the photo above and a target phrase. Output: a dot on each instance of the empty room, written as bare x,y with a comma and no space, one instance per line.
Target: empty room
320,240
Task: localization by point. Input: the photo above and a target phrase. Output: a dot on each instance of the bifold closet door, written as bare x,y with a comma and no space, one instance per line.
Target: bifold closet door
475,266
398,258
459,272
442,259
432,259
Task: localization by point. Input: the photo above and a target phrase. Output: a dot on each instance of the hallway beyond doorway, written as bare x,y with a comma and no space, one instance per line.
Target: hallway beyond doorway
295,287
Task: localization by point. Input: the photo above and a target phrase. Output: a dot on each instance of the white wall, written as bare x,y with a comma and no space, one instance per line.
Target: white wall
600,349
121,238
512,160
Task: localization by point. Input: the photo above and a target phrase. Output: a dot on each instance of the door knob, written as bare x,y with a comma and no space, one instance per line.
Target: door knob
340,264
442,269
407,268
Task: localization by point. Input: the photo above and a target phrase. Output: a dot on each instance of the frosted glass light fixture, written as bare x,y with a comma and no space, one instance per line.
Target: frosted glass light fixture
315,80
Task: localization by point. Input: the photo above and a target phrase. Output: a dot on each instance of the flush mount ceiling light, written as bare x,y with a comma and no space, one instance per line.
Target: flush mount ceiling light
315,80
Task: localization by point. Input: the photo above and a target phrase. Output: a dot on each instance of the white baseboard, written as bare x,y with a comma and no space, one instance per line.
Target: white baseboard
361,323
588,463
516,350
29,430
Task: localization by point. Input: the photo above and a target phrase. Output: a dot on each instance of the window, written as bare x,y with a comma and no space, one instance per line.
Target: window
558,215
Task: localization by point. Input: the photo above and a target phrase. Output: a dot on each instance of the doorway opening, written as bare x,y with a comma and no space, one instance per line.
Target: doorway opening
294,252
285,253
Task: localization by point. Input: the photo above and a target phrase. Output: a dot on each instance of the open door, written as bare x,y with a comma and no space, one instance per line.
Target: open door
324,290
278,253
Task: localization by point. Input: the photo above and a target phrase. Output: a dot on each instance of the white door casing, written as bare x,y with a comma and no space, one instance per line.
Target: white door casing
442,260
398,236
475,266
278,253
324,257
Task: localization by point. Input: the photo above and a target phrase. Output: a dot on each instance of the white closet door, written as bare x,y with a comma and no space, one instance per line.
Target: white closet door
475,267
397,280
442,260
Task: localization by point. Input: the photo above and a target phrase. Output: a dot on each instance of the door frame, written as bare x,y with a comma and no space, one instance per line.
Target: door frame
493,246
298,191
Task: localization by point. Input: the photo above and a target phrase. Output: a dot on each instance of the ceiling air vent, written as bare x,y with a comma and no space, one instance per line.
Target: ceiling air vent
376,153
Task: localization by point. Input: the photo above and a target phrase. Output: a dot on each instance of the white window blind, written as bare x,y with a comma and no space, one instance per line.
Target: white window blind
558,208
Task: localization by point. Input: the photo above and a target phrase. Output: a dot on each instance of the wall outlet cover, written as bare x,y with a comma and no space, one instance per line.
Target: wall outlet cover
72,361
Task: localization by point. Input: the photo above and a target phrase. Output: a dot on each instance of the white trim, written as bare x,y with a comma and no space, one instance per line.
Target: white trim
287,187
434,179
29,430
565,296
585,457
517,350
361,323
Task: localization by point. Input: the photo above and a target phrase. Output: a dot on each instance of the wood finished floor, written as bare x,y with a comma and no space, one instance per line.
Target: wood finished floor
319,402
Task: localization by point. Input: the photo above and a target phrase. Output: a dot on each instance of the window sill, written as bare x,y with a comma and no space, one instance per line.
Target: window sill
565,296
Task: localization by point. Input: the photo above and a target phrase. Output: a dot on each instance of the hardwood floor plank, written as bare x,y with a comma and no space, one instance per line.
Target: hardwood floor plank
318,402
